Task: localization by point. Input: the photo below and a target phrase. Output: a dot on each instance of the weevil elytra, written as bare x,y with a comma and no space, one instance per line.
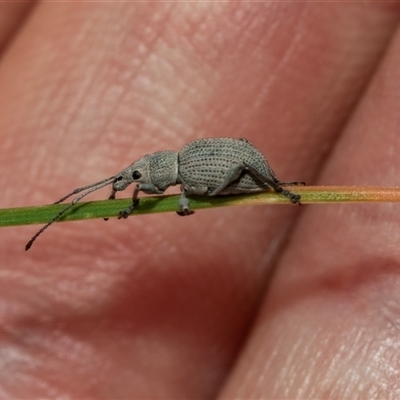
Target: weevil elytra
208,167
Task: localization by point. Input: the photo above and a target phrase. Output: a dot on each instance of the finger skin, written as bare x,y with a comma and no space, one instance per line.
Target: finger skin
329,327
12,17
159,306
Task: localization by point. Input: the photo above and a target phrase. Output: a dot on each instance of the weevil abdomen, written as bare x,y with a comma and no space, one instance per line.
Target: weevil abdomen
205,163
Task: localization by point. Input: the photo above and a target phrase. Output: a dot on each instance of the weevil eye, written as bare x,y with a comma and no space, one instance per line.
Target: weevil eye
136,175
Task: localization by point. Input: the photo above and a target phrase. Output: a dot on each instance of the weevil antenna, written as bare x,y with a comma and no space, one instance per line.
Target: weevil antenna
81,189
89,188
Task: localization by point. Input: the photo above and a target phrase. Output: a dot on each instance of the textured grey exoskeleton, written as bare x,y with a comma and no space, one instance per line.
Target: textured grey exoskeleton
210,167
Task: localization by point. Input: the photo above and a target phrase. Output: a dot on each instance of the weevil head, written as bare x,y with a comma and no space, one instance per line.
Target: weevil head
136,172
159,170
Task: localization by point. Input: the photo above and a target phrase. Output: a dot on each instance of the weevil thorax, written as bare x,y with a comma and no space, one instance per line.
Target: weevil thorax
159,169
163,168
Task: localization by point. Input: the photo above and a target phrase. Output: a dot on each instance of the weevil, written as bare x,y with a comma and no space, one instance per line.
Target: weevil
210,167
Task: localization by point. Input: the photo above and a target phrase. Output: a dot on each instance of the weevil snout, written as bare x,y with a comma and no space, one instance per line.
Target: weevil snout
121,182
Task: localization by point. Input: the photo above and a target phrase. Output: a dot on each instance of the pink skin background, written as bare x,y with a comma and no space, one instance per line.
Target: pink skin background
249,302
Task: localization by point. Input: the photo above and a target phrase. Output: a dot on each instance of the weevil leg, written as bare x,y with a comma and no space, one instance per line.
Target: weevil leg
184,205
135,201
294,198
111,197
236,171
147,188
232,175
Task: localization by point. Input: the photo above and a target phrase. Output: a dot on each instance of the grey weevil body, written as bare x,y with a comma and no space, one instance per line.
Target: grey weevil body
210,167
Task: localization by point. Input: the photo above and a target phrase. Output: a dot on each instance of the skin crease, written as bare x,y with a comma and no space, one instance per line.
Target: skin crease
251,302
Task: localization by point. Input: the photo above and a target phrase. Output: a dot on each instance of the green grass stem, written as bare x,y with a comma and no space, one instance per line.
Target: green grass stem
169,203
